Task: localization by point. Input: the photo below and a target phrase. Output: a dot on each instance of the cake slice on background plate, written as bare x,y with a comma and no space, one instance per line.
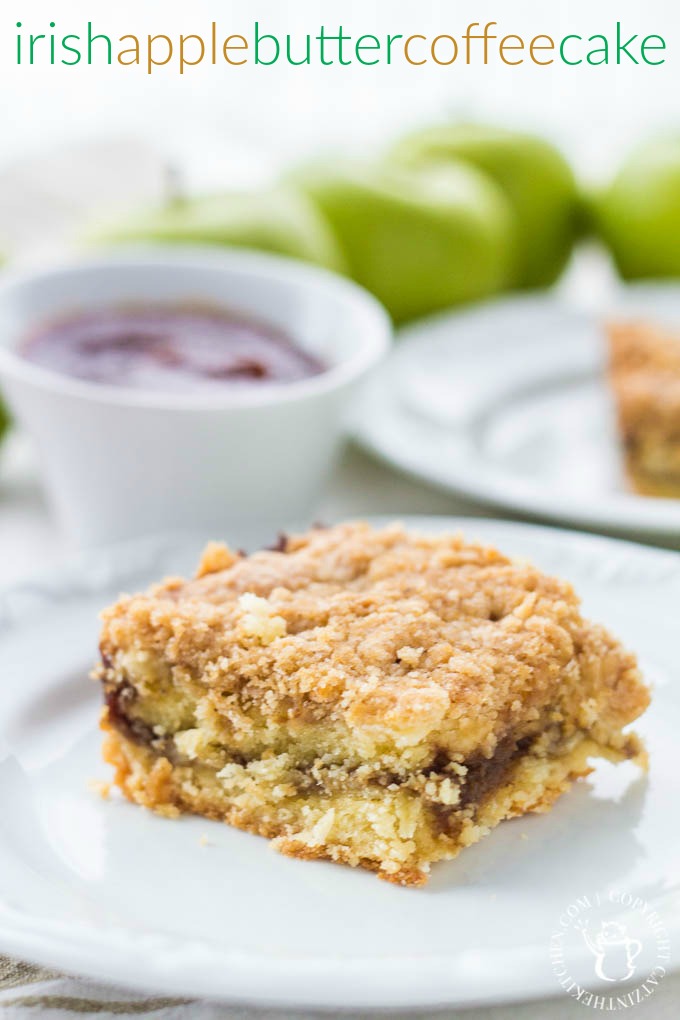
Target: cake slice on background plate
644,373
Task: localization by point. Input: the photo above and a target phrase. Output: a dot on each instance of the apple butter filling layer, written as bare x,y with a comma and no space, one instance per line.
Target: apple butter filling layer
368,696
392,823
442,780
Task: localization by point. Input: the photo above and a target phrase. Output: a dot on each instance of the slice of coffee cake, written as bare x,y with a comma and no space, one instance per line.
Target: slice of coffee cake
376,697
644,373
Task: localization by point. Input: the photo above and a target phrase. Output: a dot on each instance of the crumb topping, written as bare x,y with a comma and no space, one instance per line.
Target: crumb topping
394,636
259,619
645,373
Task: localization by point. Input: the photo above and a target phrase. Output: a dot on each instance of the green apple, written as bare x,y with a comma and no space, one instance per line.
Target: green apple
638,214
4,420
535,178
420,240
278,220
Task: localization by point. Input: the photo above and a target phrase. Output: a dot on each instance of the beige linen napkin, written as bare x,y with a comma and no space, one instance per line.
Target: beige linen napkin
29,991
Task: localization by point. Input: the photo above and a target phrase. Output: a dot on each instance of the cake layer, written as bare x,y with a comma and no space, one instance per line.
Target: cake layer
650,481
392,829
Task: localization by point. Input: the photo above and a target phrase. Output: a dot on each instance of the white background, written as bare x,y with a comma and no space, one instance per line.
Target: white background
209,116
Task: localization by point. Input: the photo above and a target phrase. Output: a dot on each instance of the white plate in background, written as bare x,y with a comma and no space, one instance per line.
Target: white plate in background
507,403
110,891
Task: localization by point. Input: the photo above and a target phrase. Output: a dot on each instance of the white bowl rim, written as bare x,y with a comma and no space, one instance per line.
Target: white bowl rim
373,345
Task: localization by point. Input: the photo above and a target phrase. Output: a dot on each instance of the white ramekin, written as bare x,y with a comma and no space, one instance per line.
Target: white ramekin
120,463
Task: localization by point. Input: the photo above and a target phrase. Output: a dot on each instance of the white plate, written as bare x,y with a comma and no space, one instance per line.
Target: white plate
507,403
113,892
